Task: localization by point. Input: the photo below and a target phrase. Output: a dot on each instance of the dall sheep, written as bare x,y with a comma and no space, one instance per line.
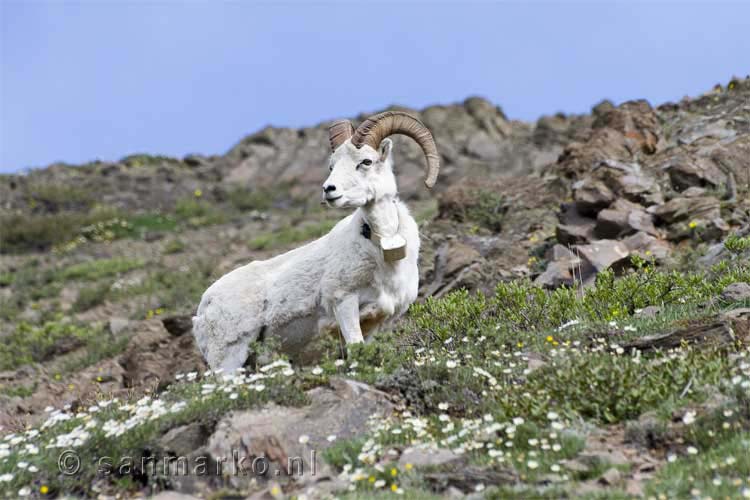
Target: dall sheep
360,275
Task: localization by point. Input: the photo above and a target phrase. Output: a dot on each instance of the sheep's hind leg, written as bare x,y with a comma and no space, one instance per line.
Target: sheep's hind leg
347,316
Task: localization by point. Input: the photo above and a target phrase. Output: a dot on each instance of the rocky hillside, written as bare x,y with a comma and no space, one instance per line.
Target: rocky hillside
582,328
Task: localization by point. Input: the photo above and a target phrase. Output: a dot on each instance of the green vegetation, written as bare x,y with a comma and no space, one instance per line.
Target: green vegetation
174,246
250,199
53,198
95,269
486,208
718,471
36,344
737,244
288,235
91,296
174,290
40,232
197,212
146,160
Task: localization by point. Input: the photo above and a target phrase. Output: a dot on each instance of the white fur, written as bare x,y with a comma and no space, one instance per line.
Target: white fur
340,279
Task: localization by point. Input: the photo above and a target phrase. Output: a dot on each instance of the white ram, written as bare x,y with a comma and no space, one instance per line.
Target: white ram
360,275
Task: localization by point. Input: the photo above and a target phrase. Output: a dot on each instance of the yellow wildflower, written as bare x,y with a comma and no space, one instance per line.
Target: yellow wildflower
394,472
394,487
198,193
44,489
550,338
693,224
408,466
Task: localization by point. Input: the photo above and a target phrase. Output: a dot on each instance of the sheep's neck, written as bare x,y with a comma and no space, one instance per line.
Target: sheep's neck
382,217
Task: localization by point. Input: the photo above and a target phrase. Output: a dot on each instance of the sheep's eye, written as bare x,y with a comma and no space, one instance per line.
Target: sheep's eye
366,162
330,168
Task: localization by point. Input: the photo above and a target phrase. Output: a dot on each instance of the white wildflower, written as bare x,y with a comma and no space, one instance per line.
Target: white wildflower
688,418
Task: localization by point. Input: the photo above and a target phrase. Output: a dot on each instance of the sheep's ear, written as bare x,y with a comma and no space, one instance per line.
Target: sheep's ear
385,149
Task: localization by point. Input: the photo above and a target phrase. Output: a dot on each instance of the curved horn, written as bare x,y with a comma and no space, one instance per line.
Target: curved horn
378,127
339,132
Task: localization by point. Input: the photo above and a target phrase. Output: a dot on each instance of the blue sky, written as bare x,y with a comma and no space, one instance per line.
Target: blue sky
104,79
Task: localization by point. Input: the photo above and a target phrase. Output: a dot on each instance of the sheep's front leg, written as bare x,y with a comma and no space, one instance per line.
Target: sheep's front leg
347,316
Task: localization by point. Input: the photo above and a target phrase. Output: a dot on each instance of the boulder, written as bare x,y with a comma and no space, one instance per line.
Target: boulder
591,195
683,208
686,171
736,292
183,440
118,325
427,457
564,268
623,218
647,246
629,180
574,228
602,254
291,440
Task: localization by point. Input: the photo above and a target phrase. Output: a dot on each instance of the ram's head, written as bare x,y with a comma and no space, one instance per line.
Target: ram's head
361,164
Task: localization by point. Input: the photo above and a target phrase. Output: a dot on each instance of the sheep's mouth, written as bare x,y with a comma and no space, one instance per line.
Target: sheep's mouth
334,198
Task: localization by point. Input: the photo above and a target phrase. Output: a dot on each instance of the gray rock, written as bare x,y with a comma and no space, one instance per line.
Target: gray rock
629,180
426,457
293,439
610,477
574,228
683,208
173,495
591,196
693,192
623,218
649,312
118,325
184,439
602,254
647,246
563,269
736,292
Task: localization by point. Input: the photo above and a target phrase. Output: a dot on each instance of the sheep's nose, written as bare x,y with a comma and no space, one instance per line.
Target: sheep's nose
328,188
